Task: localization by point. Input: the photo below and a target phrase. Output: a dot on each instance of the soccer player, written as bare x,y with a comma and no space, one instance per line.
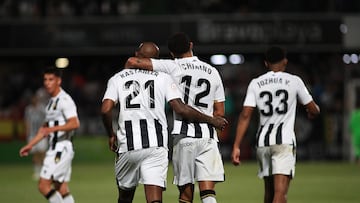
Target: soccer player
196,156
61,120
355,132
34,117
275,95
141,141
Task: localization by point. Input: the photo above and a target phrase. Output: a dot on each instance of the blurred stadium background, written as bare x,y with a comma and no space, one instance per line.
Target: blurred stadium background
92,39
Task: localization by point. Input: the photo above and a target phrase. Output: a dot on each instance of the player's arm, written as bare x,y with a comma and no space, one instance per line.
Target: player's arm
71,124
219,109
24,151
312,109
141,63
242,125
193,115
106,115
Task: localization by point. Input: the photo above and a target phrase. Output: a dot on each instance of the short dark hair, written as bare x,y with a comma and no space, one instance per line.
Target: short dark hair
275,54
179,43
52,70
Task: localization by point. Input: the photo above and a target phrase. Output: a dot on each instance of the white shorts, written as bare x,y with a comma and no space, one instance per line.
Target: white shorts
145,166
57,162
197,159
276,159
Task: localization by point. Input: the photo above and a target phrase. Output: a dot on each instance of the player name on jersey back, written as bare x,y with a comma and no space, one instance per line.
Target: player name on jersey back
133,71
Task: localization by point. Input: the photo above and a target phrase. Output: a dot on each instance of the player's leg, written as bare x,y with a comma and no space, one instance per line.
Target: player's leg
186,193
209,169
64,190
126,196
281,186
264,160
153,193
356,141
207,191
153,172
283,169
45,188
269,189
184,167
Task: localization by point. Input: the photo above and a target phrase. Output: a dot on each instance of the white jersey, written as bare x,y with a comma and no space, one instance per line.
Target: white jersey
142,96
275,94
59,109
201,87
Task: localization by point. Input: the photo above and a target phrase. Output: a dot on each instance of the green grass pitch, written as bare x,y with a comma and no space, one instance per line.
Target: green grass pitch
93,180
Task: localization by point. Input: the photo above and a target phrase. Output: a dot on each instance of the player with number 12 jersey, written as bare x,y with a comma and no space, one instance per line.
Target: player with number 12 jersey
201,86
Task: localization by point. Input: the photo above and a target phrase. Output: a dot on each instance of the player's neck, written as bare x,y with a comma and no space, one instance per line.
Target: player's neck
187,54
277,68
56,92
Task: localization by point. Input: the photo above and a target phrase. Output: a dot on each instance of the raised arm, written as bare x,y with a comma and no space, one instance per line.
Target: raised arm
140,63
243,123
192,115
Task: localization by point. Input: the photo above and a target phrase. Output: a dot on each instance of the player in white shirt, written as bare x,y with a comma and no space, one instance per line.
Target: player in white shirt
275,95
196,156
141,140
61,120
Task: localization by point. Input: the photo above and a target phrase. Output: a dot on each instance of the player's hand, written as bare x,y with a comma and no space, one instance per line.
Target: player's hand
24,151
235,156
113,143
220,122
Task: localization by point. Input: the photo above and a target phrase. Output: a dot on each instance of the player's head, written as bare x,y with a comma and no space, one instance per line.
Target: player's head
52,80
275,57
52,70
147,50
179,44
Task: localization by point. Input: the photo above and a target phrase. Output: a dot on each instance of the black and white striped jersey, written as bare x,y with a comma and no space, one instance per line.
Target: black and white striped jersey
57,111
275,94
142,96
201,87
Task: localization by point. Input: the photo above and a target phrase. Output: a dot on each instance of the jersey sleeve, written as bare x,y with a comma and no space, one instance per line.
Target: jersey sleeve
250,98
303,93
219,90
111,92
163,65
172,90
69,107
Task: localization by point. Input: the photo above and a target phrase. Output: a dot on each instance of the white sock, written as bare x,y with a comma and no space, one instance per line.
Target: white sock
209,199
56,198
68,199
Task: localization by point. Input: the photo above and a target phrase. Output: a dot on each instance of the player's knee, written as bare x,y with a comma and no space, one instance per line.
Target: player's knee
207,193
156,201
44,189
